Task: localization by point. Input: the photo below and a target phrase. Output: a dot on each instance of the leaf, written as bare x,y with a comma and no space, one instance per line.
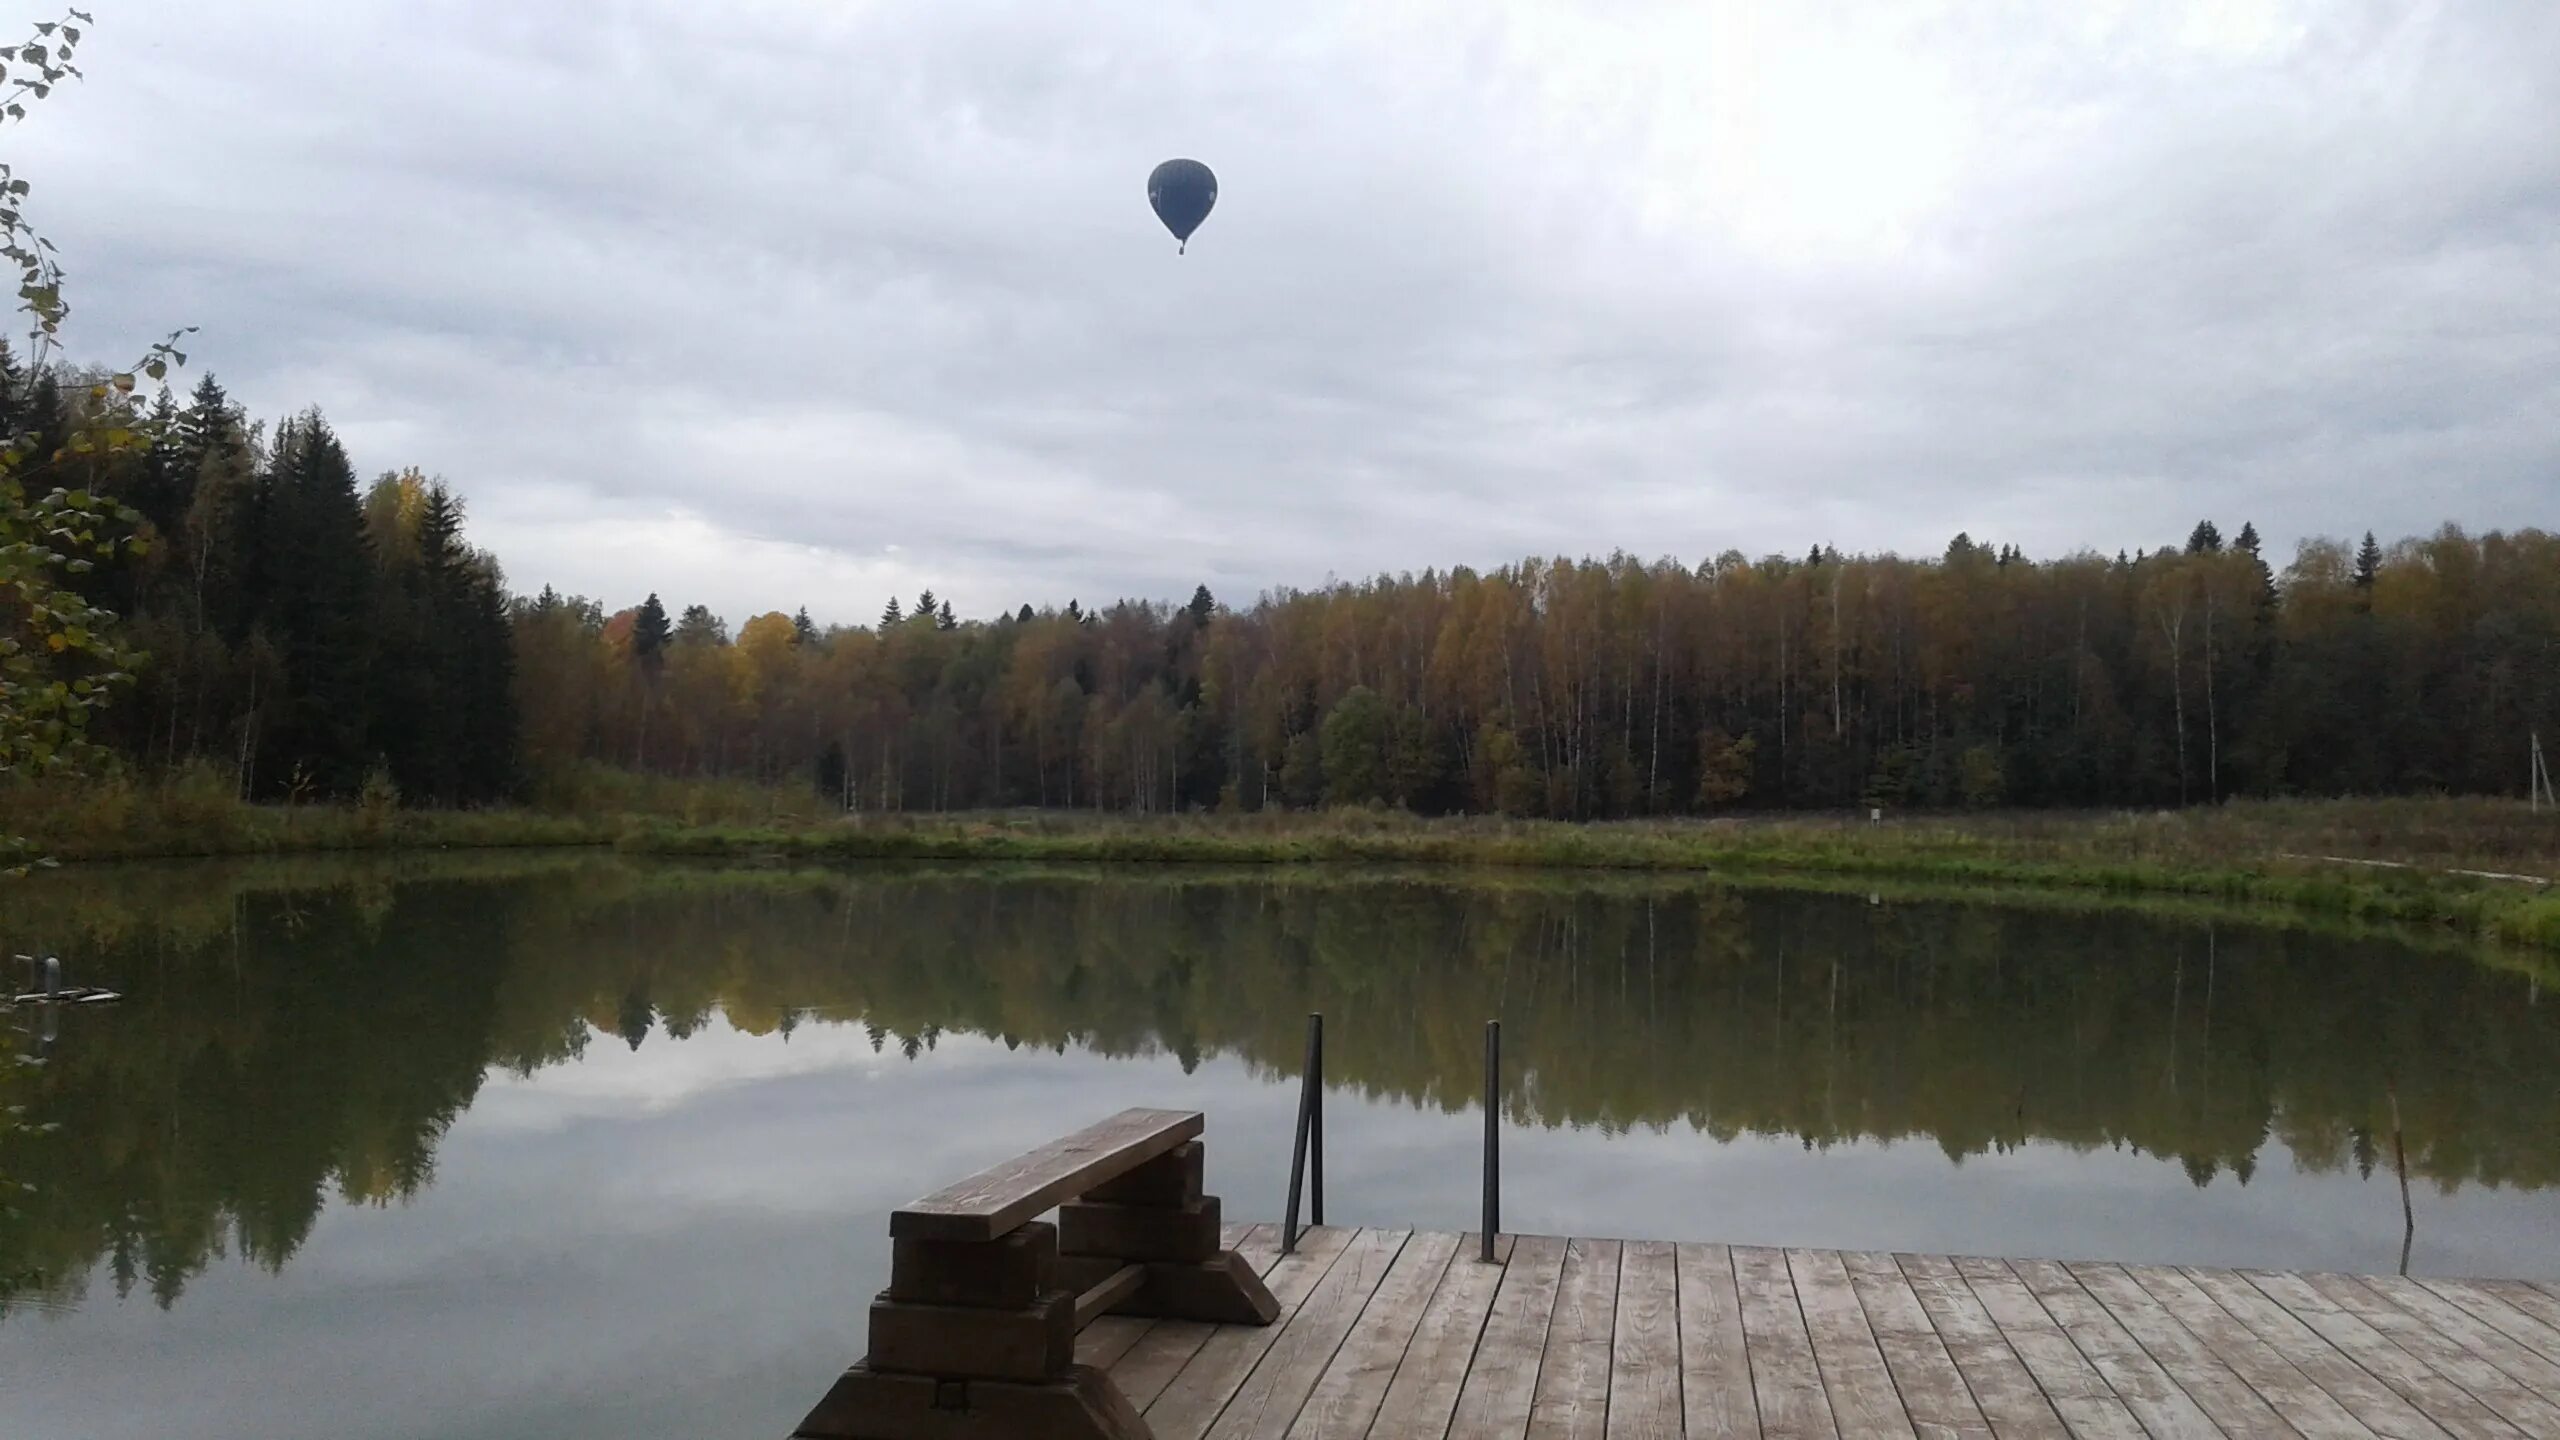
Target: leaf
156,369
55,643
123,383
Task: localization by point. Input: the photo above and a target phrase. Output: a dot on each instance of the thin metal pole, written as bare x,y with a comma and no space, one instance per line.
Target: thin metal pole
1298,1145
1315,1110
1492,1135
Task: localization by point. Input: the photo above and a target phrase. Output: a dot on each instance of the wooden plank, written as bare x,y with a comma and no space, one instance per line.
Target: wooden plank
1119,1285
1503,1377
1346,1399
2368,1399
2469,1331
1168,1349
2163,1405
2438,1397
1644,1350
2245,1394
1784,1376
2087,1404
1250,1380
1715,1364
965,1342
1010,1272
2541,1304
2494,1387
1102,1343
1000,1197
1572,1401
1933,1390
2001,1385
1258,1245
2543,1340
1424,1394
2303,1403
1864,1399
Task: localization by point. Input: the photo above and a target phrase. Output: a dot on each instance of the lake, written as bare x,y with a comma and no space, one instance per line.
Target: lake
570,1145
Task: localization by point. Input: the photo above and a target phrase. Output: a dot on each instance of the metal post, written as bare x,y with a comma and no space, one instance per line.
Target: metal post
1492,1135
1315,1109
1307,1100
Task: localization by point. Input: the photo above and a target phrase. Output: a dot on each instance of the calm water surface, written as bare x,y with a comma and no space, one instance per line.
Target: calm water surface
579,1147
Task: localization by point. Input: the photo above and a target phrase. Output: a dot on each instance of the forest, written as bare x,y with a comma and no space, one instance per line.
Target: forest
308,637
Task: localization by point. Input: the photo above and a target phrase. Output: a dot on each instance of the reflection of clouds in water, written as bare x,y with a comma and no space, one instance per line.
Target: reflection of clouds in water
681,1239
611,1078
694,1257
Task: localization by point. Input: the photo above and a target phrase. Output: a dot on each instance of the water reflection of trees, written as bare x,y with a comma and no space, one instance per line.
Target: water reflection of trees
285,1040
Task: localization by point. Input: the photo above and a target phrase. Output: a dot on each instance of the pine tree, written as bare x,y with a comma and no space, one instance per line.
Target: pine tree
945,620
492,737
317,610
2368,563
13,379
1202,606
892,616
1024,616
649,635
803,629
2205,539
698,626
2248,541
925,606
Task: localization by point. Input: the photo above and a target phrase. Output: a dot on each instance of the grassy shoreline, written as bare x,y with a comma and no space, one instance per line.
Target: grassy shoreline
2309,858
2494,910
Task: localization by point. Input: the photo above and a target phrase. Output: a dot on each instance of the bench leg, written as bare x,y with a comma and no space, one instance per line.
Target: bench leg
866,1404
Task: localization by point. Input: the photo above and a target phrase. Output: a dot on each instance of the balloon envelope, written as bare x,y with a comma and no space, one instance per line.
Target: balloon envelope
1182,192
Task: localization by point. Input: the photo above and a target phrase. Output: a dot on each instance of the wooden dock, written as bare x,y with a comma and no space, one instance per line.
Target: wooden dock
1395,1333
1138,1316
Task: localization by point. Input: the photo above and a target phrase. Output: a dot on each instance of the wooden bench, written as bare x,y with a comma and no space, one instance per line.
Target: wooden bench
975,1336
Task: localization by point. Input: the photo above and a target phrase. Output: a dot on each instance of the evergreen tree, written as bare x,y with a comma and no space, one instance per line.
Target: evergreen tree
650,633
317,611
2248,541
2205,539
944,619
492,737
13,379
803,629
1024,615
698,626
458,671
926,608
1202,606
892,616
2368,563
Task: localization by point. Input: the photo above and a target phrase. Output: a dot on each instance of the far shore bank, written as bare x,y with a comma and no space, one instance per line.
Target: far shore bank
2477,867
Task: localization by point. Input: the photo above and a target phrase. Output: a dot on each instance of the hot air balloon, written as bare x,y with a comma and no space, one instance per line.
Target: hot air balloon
1182,192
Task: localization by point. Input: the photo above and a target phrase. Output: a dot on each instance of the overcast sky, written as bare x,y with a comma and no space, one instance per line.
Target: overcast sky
769,304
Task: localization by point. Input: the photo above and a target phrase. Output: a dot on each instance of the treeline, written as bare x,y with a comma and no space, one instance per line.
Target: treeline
1614,688
307,635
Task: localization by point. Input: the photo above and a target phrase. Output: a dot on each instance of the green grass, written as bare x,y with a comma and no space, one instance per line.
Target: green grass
2234,856
2281,855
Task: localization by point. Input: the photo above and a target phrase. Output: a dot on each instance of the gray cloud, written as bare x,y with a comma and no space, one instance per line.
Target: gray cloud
795,303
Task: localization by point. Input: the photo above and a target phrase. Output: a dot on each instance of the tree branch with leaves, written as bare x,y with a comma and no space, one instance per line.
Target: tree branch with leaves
61,655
